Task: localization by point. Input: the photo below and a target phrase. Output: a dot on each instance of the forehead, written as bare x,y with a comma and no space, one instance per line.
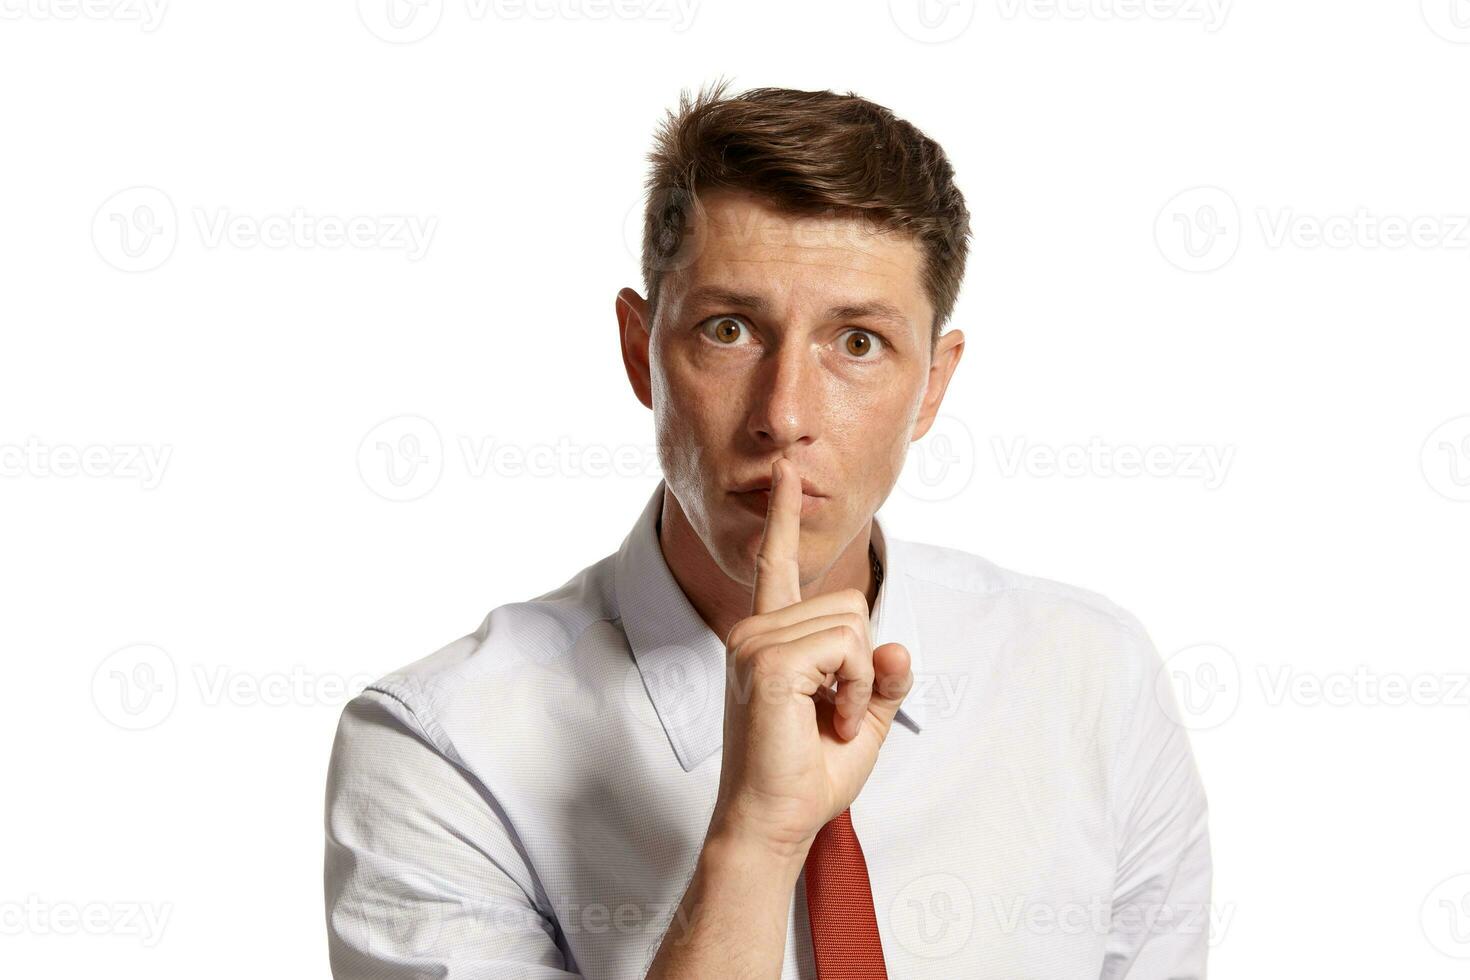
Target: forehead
743,243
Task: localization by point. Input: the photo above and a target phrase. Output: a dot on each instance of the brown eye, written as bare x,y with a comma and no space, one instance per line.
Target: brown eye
726,330
859,343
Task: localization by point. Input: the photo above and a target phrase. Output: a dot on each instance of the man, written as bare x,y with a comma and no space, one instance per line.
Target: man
765,739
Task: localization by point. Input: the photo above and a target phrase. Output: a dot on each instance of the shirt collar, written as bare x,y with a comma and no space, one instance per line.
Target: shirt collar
682,661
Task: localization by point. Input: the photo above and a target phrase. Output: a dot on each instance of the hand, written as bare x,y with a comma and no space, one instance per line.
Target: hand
796,754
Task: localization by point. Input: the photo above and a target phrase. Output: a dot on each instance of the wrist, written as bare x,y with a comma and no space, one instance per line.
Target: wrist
746,849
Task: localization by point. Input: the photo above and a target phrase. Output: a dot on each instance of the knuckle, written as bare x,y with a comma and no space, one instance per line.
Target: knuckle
749,651
859,661
739,633
857,631
765,660
860,666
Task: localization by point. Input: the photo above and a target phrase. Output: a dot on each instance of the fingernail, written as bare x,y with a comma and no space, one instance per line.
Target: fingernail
776,475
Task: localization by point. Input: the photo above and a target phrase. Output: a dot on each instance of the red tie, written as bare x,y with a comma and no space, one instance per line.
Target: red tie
839,903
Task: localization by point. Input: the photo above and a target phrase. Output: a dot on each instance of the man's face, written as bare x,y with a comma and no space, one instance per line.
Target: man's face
802,337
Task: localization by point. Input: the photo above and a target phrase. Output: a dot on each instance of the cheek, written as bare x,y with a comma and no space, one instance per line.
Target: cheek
685,422
870,428
677,445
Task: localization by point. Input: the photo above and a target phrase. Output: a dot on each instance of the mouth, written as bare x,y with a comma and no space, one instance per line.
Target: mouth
758,501
763,483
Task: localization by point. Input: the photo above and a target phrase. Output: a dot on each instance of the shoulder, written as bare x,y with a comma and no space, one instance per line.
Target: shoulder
518,644
983,581
1023,613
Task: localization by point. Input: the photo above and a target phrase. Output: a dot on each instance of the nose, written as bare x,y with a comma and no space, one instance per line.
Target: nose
786,404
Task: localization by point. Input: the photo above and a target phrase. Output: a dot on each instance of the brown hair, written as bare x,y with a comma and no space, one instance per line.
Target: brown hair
808,153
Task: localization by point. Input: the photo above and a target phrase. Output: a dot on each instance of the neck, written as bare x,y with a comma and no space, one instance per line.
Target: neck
722,601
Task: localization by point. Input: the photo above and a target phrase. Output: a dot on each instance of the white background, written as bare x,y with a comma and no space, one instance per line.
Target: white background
179,636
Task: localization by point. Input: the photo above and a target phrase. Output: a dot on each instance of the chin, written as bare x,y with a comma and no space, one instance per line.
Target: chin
738,542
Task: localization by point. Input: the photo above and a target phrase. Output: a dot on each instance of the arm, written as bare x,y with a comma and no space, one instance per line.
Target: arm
1161,899
732,920
794,756
418,892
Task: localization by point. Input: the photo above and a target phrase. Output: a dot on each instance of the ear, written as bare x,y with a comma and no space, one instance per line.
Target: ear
947,351
633,335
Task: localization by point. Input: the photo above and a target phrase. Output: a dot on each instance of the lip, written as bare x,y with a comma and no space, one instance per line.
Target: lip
758,501
764,483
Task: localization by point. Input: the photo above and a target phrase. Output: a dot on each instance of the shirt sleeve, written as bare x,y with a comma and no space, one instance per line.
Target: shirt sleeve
423,878
1160,923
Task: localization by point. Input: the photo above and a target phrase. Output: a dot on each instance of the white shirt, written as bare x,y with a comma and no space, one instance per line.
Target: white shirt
530,801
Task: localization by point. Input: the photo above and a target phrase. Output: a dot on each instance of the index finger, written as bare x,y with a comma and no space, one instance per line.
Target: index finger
777,571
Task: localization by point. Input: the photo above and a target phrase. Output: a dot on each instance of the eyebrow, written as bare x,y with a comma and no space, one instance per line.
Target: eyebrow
872,309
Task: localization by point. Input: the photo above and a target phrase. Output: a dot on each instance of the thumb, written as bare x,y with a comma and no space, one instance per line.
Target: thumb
892,681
